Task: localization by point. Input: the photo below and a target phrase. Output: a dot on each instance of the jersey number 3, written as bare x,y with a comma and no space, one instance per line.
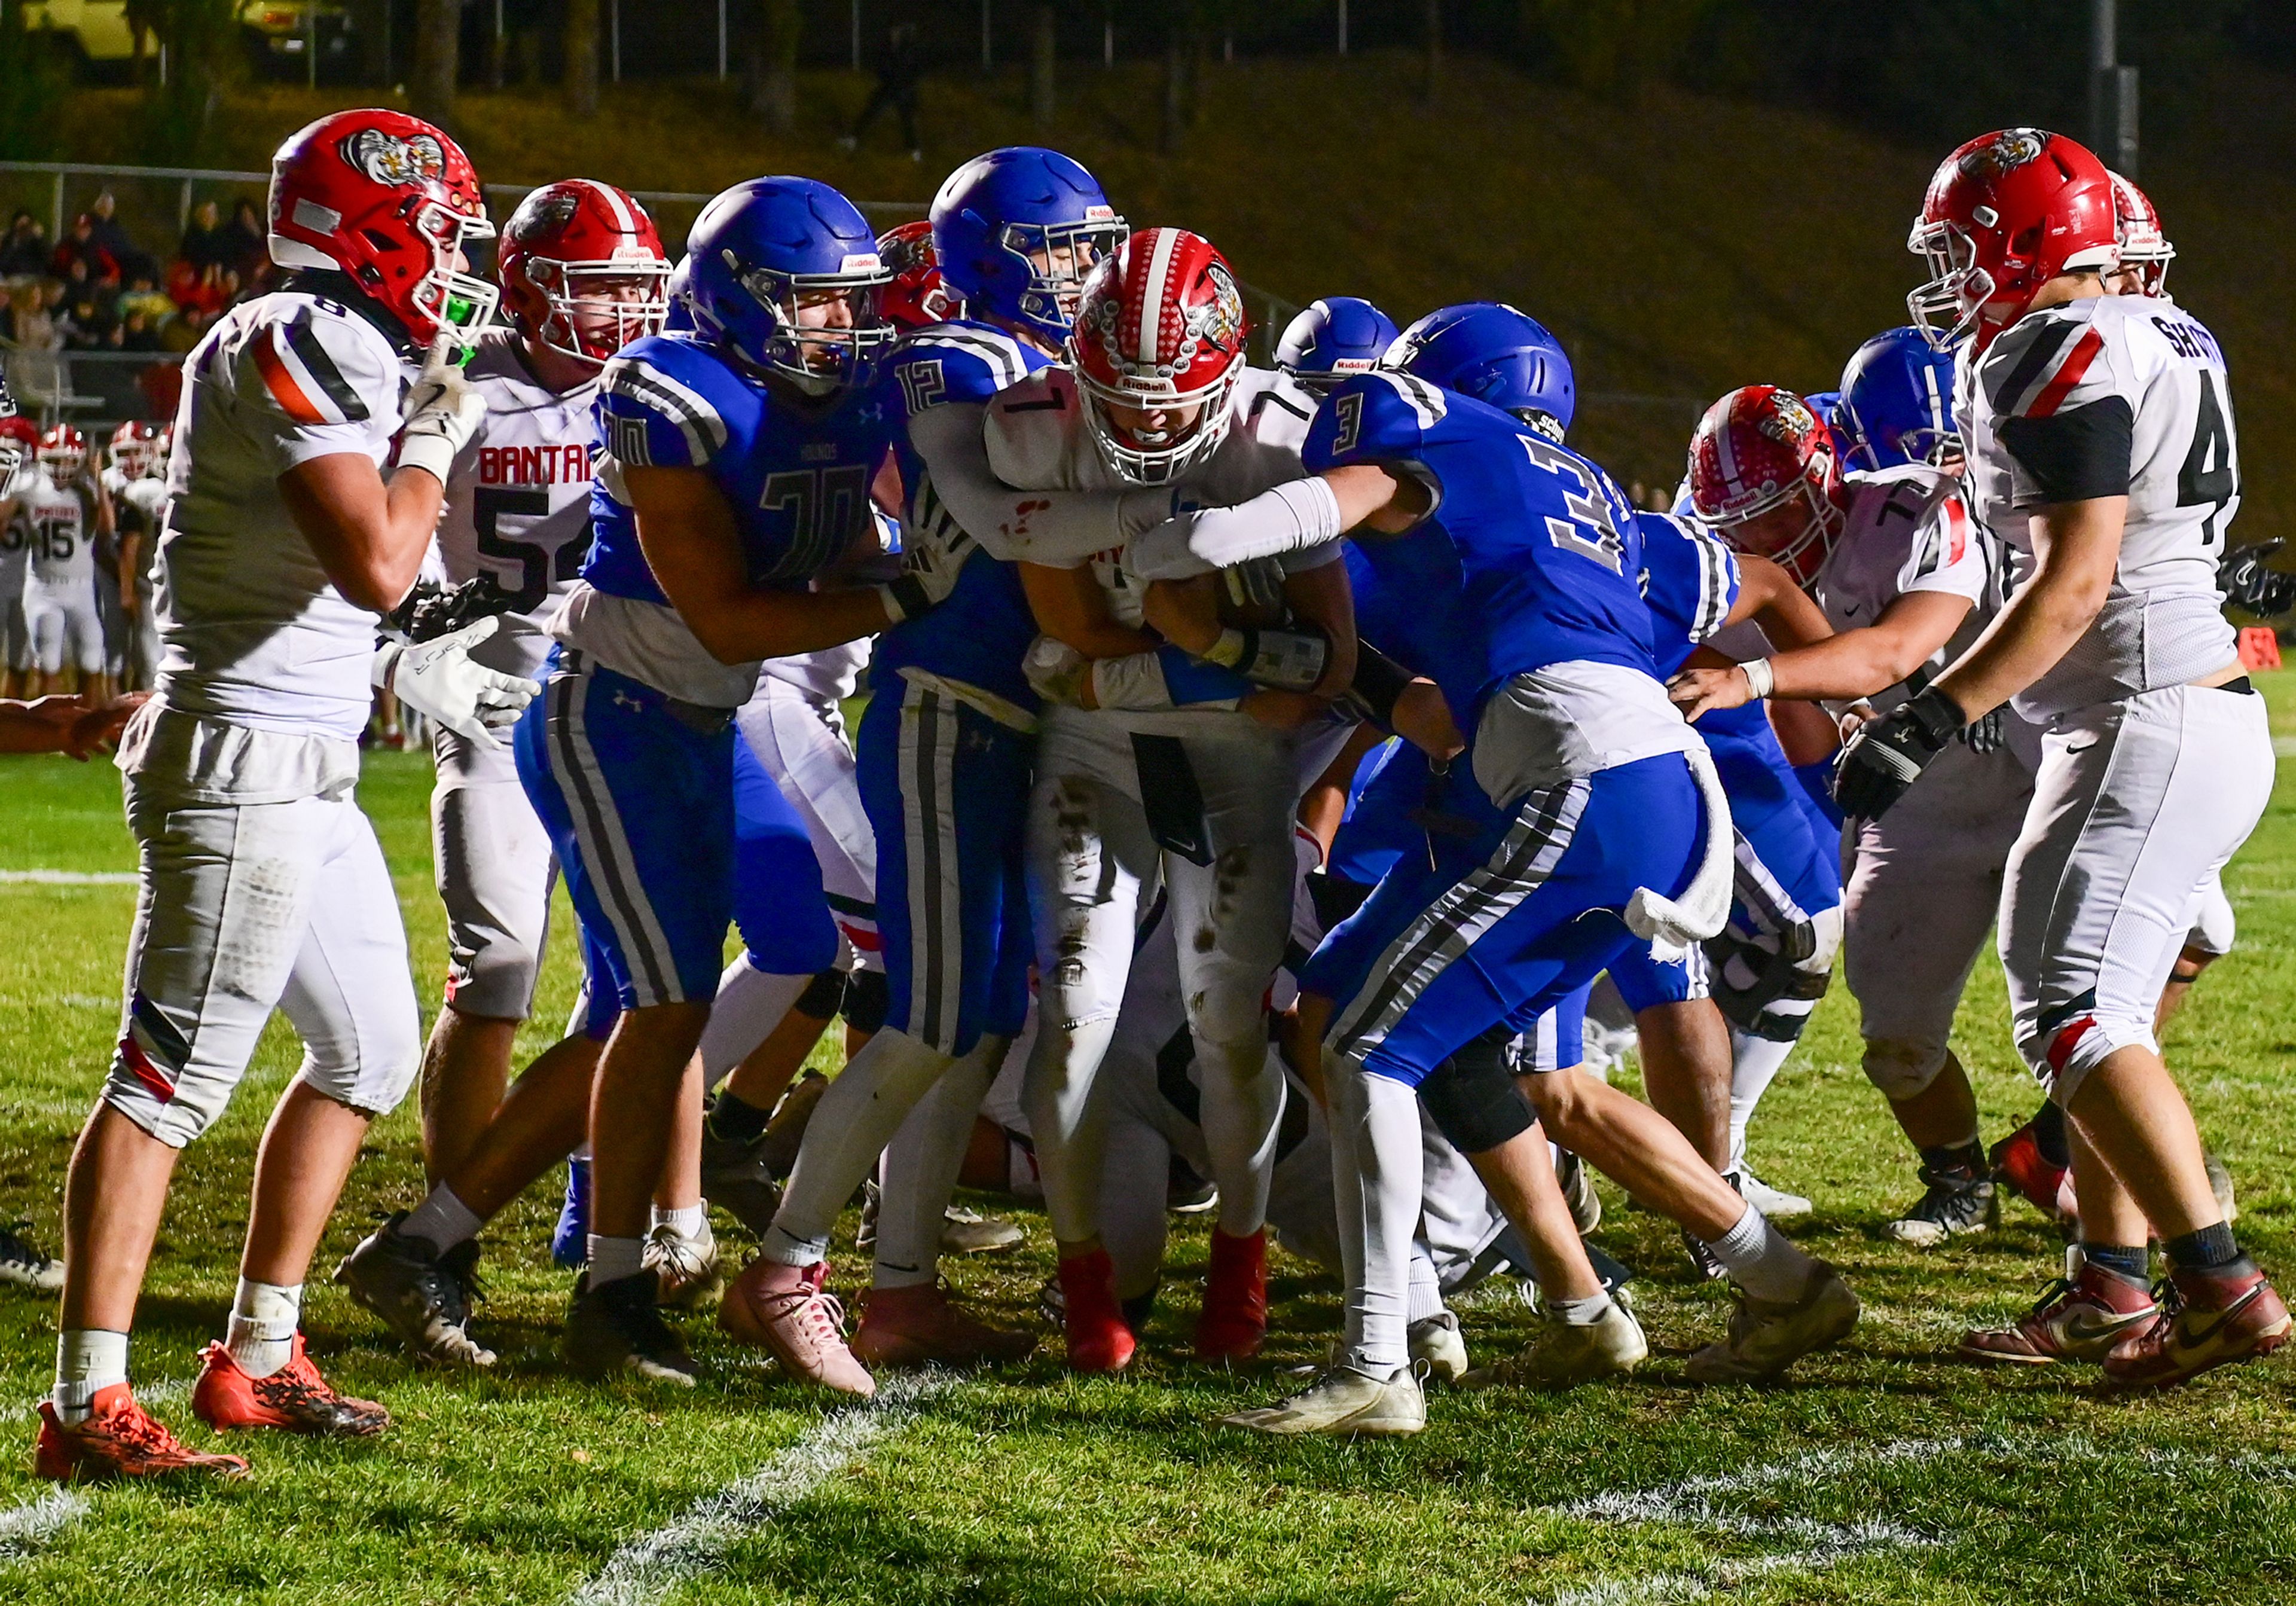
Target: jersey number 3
1590,531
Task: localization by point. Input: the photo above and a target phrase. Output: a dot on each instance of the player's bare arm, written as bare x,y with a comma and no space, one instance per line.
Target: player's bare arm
368,534
686,531
1856,663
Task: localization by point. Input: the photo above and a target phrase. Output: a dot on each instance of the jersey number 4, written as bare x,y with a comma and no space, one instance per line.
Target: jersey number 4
1590,531
537,566
2211,472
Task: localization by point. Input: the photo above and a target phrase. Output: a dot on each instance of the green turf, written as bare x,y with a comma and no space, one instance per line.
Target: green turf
1879,1473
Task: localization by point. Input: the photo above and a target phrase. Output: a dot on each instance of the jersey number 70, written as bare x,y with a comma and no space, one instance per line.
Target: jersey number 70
1590,531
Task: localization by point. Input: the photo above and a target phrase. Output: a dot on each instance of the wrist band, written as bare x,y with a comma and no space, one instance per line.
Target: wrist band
1760,678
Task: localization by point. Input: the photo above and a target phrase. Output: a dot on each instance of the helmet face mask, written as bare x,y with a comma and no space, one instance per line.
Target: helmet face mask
596,308
1017,232
458,301
63,454
830,329
1763,474
783,275
1946,307
135,450
1060,258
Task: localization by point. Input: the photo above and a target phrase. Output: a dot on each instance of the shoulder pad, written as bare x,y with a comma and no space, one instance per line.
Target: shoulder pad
1034,431
314,362
1373,417
957,362
655,405
1688,571
2046,363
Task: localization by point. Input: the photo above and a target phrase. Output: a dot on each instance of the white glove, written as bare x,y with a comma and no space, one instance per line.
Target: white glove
443,410
1057,672
439,678
932,557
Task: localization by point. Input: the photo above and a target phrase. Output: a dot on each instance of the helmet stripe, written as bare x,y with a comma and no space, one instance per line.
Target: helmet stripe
623,222
1151,297
1725,458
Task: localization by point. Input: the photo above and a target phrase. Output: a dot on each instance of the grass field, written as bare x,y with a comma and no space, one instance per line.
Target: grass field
1878,1473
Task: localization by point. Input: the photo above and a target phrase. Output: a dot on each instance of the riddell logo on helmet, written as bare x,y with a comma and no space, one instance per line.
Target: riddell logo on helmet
2010,150
388,159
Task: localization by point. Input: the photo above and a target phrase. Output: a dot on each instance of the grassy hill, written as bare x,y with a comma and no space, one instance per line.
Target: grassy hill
1678,247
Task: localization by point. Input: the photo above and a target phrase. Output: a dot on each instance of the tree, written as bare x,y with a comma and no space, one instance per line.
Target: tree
770,67
1616,46
582,57
438,61
201,41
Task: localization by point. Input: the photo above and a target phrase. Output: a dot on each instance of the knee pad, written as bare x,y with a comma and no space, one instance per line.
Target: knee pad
867,999
1902,1069
823,997
1472,1100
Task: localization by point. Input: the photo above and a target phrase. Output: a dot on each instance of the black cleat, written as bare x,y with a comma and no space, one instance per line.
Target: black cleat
618,1326
1956,1202
422,1296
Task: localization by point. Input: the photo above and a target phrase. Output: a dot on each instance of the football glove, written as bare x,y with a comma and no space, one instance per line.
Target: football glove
431,610
2249,586
442,410
1887,755
1988,731
1057,672
932,558
439,678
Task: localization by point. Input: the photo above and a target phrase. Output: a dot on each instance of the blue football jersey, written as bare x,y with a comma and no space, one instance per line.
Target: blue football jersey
1690,579
981,632
797,479
1530,557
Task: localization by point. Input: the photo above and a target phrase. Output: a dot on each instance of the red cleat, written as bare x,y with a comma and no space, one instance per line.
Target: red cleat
294,1397
922,1326
1098,1338
119,1439
2017,1161
2081,1316
1234,1322
2208,1319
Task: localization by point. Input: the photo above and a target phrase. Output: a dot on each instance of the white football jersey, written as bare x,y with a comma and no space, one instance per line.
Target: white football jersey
253,631
2105,396
63,533
518,498
1907,529
15,551
1039,440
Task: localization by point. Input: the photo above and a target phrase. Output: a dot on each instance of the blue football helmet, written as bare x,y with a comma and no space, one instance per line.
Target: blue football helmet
765,253
1896,402
1017,231
1489,351
1331,339
680,315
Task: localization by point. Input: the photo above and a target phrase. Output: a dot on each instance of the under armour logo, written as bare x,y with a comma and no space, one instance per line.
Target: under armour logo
623,700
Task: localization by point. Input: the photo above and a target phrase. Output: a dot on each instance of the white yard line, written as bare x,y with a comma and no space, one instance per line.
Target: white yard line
29,1526
645,1570
70,878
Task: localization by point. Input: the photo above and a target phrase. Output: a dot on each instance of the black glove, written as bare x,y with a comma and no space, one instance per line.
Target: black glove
1887,755
431,610
2251,586
1987,733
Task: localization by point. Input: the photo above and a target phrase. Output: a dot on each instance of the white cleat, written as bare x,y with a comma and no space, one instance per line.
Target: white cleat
1775,1203
1767,1338
1345,1402
1437,1341
686,1267
1563,1356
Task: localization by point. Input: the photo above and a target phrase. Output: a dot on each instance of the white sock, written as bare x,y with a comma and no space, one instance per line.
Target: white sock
855,1119
749,1004
442,1220
689,1221
1376,1173
87,1359
920,1167
1586,1312
1424,1298
1754,1064
1762,1260
611,1259
261,1334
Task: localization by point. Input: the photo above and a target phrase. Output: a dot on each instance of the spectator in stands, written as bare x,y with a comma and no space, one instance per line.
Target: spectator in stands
141,297
106,231
248,241
138,332
183,332
25,251
87,320
80,246
31,324
203,245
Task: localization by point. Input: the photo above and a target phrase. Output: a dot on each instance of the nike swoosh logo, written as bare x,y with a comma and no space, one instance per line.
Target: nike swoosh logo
1850,611
2083,748
2193,1336
2082,1328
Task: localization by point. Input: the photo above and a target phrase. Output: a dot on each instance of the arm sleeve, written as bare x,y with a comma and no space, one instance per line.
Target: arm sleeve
315,388
2062,396
2078,454
1060,528
1287,520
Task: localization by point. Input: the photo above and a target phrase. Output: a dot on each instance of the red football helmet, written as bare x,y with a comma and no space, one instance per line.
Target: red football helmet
1763,472
134,448
20,440
2144,248
63,452
389,201
2004,215
580,252
1161,327
918,294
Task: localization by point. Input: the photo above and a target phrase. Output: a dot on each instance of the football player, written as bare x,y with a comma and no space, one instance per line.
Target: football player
1519,557
2102,447
137,484
68,512
263,885
946,754
737,475
1908,579
20,446
1332,339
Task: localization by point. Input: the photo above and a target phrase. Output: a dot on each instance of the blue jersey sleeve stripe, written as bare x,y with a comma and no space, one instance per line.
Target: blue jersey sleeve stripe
679,403
1425,400
1000,352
